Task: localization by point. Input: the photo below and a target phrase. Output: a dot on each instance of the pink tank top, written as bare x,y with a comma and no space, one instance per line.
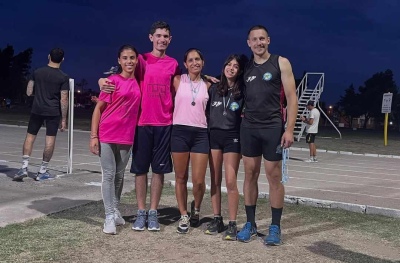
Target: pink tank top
190,103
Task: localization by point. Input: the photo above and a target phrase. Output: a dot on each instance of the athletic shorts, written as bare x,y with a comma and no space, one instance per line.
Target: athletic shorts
226,140
36,121
152,147
310,138
189,139
265,142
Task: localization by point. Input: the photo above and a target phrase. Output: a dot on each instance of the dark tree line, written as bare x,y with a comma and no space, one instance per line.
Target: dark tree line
367,99
14,71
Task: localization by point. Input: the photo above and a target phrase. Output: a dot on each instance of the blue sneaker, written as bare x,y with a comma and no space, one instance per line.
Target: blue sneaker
140,222
152,221
43,176
247,232
274,236
22,173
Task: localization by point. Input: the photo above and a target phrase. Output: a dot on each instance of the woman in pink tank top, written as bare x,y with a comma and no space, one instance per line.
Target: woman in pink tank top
189,137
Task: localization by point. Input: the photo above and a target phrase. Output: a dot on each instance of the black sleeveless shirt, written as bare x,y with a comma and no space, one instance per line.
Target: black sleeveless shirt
224,116
262,103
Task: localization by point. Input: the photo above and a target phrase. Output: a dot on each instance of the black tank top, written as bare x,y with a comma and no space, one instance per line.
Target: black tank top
262,104
224,116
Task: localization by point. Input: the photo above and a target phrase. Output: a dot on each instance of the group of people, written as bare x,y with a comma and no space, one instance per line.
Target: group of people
151,111
198,121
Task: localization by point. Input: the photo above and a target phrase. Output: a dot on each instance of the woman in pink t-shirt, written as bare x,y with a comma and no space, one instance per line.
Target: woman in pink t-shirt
189,137
112,134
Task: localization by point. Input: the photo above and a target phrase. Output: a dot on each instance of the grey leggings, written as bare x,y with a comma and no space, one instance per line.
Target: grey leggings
113,161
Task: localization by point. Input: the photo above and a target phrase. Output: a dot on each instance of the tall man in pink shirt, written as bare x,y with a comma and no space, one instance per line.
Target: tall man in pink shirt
155,72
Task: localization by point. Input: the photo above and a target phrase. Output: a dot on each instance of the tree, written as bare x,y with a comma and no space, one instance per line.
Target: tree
19,72
349,105
14,70
82,84
371,93
6,56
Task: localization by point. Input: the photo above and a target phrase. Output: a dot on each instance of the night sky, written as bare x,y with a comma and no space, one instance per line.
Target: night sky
348,40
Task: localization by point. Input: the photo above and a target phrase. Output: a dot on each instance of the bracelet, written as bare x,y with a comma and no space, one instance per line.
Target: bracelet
94,137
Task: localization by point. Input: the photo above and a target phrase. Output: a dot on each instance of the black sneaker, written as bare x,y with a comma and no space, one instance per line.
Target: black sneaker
216,226
194,216
231,232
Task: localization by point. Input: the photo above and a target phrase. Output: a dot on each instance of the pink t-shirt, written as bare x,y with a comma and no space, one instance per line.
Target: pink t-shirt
185,113
155,77
119,119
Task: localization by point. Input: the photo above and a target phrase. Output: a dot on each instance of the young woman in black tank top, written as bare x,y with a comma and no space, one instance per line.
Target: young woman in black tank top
224,117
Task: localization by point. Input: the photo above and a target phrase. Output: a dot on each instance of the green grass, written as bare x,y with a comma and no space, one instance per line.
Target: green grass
51,238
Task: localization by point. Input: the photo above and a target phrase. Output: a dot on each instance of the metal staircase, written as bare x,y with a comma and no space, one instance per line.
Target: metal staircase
310,88
307,90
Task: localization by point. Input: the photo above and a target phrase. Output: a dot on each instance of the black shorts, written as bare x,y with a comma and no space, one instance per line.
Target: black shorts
226,140
152,147
257,142
36,121
310,138
189,139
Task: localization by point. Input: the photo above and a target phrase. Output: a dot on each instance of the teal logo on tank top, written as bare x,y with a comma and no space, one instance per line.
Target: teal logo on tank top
234,106
267,76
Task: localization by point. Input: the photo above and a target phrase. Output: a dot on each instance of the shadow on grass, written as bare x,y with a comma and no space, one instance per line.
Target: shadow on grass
166,215
7,171
336,252
57,208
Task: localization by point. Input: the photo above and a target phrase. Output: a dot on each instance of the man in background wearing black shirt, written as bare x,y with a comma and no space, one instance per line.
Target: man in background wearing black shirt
268,78
51,87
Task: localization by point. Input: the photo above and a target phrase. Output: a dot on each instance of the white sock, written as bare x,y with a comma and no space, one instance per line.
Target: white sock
25,161
43,167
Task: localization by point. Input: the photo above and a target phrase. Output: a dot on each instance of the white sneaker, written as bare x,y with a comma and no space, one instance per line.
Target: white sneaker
315,160
119,220
109,226
311,160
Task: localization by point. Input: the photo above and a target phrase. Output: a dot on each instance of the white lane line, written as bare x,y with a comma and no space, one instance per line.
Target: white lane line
94,183
346,183
341,170
336,182
355,166
327,190
345,175
341,175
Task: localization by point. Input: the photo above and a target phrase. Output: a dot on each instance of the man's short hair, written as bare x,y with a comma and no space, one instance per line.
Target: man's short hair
310,103
56,55
256,27
159,25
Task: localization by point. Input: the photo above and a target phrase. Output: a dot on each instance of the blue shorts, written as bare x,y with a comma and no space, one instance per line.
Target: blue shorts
152,147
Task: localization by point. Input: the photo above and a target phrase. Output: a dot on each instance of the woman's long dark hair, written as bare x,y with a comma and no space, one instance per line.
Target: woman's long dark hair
121,49
223,86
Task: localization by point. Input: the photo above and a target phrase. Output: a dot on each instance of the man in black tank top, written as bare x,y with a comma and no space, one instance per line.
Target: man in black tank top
268,78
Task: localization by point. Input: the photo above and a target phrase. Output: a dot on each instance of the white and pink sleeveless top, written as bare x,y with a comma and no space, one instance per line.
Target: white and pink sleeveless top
190,103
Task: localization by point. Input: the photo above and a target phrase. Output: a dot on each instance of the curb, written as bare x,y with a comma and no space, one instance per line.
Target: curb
319,203
347,153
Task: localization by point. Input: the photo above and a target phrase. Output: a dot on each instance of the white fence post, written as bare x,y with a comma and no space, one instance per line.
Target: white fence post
70,124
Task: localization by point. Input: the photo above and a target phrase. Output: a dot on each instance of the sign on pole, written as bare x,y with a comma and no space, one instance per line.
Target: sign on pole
387,102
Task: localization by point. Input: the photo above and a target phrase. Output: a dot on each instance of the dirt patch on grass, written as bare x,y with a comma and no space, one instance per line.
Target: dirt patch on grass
306,239
309,234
